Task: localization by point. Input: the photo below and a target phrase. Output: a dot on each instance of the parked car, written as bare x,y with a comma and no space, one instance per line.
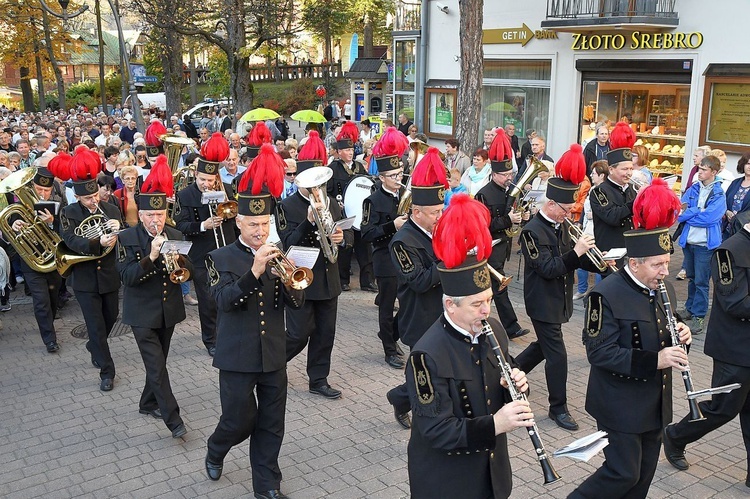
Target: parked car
196,112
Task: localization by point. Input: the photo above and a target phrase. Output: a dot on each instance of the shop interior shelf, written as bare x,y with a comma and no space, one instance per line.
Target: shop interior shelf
666,137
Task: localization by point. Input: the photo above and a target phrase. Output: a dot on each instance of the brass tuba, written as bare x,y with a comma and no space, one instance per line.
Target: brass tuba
36,242
521,204
314,180
181,177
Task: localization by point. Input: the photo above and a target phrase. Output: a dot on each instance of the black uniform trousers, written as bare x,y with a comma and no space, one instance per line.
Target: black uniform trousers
629,465
508,317
45,291
157,392
550,346
100,314
721,409
387,288
206,306
262,422
315,323
363,251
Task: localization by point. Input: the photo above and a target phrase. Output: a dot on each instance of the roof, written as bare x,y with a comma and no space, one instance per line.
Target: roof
369,68
89,53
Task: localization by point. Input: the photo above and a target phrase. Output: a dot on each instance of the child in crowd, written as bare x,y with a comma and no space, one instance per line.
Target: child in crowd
455,184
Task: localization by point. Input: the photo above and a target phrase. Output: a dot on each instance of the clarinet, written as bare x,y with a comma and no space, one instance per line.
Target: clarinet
695,411
550,475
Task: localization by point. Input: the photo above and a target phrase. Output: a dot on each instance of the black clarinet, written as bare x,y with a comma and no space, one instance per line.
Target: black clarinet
550,475
695,410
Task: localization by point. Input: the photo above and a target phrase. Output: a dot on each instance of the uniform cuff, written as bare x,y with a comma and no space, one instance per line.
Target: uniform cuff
643,363
480,433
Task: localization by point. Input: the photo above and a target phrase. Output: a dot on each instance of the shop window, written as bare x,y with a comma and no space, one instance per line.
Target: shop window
405,65
516,92
725,117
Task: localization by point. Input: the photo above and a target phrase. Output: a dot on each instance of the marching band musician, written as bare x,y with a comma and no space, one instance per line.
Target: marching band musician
612,200
461,412
629,347
146,277
251,343
95,282
550,260
315,321
345,168
419,291
380,221
44,286
204,229
727,344
495,197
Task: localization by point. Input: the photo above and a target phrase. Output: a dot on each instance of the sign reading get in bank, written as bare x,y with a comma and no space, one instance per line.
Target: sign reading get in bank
638,41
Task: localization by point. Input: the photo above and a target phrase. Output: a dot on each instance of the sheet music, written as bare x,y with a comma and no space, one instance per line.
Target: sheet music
345,223
182,247
303,256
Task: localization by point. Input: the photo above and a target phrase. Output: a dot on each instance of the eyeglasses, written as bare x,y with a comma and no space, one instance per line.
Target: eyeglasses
394,176
291,174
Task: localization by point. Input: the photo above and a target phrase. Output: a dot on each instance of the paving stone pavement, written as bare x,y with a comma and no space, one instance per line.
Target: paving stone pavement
62,437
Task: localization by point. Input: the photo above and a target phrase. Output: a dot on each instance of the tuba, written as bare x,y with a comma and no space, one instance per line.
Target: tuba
92,227
181,177
521,203
314,180
36,243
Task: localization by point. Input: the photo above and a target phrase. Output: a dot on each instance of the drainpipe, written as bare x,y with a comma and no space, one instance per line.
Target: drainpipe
422,54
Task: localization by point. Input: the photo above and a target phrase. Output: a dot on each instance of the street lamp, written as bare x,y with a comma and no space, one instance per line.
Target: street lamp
134,102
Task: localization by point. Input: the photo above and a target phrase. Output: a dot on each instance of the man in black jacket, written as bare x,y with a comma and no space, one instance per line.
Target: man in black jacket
728,343
251,347
152,302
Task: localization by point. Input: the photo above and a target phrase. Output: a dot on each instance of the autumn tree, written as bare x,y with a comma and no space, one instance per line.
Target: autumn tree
471,15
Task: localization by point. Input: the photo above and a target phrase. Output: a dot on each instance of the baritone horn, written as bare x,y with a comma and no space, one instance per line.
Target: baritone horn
521,204
293,277
92,227
36,243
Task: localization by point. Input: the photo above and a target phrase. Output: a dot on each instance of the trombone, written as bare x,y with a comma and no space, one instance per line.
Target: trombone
594,254
293,277
220,206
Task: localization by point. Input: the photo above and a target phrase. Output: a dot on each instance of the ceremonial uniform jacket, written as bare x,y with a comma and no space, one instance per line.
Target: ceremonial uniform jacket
496,199
150,299
454,389
94,276
727,337
420,294
624,330
548,271
296,230
342,175
189,213
612,209
378,213
250,321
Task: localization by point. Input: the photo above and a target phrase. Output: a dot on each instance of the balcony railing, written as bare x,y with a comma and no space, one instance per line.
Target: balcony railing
607,13
408,15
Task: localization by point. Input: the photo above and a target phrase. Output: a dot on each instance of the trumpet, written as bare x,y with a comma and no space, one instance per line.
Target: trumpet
502,280
177,274
594,254
314,179
637,184
550,475
293,277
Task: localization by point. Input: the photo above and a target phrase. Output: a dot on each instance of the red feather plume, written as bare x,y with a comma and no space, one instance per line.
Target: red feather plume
622,136
160,178
463,227
430,170
572,165
216,148
313,149
656,206
391,143
267,169
154,132
500,149
259,135
349,130
59,166
85,165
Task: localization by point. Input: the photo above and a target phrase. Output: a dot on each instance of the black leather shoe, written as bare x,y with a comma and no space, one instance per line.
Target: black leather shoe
52,347
270,494
211,350
370,287
106,385
213,470
518,334
326,391
346,287
564,420
402,418
674,453
154,413
394,361
180,431
399,351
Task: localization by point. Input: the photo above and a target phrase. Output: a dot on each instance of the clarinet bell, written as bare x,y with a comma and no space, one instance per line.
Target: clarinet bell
550,474
695,411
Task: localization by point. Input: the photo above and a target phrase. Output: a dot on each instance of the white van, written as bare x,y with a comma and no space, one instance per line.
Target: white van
196,112
157,99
